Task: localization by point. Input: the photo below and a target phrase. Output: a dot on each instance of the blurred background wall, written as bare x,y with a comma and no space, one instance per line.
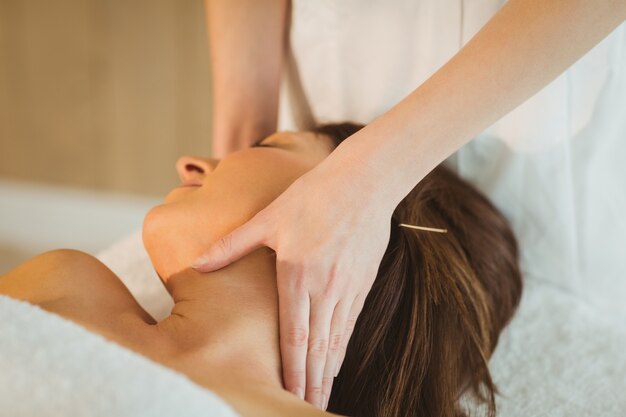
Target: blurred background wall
103,94
97,100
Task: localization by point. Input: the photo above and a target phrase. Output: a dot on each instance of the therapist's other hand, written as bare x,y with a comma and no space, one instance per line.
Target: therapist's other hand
329,234
223,144
222,147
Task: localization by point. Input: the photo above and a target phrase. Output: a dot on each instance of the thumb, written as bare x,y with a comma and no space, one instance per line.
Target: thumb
231,247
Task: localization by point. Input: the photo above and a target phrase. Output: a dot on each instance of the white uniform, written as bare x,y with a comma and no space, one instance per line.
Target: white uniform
556,165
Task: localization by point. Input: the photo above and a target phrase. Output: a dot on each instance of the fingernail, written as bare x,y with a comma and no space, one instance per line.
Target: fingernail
324,402
337,369
298,392
199,262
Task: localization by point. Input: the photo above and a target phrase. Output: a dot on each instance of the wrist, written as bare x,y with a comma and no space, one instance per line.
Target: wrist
242,119
360,180
230,134
243,128
370,162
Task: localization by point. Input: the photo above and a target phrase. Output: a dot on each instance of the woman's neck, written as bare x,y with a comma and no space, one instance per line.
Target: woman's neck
224,324
224,335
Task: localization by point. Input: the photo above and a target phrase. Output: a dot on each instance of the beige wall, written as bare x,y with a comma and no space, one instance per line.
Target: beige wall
102,94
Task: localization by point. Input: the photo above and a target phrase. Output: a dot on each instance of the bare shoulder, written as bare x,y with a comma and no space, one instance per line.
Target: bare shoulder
73,284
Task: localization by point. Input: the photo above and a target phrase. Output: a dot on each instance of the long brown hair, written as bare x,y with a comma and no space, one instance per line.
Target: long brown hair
437,306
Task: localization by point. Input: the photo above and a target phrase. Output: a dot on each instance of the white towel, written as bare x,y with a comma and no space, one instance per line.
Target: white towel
560,357
52,367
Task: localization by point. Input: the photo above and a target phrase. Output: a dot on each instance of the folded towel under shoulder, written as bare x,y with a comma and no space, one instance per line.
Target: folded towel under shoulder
52,367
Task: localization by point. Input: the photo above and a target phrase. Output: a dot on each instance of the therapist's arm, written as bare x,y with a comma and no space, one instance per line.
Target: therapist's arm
520,50
330,228
247,40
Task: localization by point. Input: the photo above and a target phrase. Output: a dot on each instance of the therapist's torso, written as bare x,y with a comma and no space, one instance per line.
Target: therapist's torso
554,166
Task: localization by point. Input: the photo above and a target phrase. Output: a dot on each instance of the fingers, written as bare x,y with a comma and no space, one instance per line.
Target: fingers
321,316
314,337
231,247
293,310
337,330
357,307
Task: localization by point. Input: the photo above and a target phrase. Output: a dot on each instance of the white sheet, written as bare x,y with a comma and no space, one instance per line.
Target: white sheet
54,368
560,357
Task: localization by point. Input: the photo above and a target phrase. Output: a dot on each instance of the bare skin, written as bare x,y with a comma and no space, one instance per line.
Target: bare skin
247,40
520,50
223,329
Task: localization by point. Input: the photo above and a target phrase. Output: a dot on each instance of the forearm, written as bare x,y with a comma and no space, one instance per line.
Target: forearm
521,49
247,40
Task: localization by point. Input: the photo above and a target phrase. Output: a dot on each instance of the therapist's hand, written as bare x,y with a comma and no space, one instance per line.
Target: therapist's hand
329,232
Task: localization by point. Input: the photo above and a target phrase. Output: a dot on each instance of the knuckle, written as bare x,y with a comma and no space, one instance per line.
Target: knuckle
298,277
314,390
350,324
297,336
283,261
318,345
335,342
335,281
226,244
294,271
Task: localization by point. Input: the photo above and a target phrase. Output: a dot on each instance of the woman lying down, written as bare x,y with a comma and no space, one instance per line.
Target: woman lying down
423,339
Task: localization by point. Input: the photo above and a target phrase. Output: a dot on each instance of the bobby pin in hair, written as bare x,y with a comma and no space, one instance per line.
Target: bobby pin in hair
428,229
